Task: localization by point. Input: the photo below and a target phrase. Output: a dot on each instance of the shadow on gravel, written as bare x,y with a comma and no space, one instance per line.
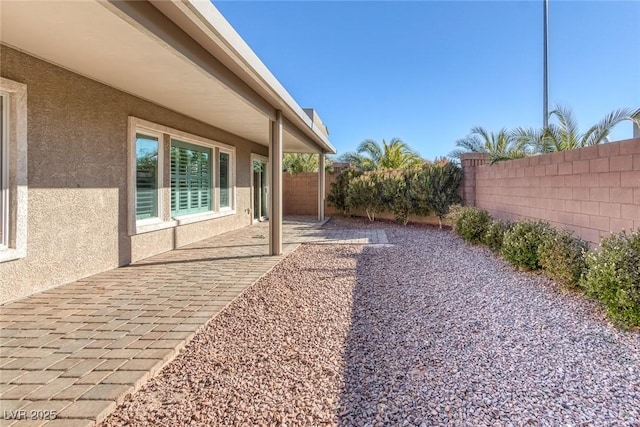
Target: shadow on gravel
371,376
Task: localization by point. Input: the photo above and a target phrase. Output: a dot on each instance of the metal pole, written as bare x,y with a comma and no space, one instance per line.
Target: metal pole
545,107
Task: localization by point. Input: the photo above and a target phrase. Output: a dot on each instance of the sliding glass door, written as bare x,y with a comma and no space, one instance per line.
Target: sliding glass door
260,190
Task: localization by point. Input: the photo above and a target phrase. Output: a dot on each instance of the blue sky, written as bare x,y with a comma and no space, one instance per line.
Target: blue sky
426,72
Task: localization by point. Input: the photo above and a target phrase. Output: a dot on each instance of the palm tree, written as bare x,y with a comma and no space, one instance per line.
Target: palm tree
565,135
359,161
370,155
500,146
303,163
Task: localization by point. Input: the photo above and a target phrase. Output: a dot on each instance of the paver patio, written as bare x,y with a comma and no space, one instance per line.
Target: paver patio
72,353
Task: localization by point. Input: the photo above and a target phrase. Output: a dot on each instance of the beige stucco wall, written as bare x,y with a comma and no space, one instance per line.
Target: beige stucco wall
77,162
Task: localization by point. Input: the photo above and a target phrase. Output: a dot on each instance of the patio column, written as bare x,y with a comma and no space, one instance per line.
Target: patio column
275,193
321,185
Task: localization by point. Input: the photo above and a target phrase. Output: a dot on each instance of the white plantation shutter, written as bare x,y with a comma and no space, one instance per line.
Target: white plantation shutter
190,178
146,194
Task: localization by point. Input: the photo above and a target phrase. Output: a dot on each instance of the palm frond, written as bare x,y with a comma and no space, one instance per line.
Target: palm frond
472,144
483,133
501,141
358,160
635,117
529,139
568,126
372,149
599,132
455,154
554,140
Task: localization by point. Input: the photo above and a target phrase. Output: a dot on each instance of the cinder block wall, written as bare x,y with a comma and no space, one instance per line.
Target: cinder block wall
300,197
300,193
593,191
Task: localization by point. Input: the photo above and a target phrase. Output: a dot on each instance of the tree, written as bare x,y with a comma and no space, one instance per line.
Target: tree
358,161
565,134
299,163
500,146
370,155
302,162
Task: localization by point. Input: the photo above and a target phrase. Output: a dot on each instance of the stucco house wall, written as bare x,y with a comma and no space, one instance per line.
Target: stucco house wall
77,178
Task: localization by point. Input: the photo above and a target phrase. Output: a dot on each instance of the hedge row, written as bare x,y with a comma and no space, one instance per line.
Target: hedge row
610,274
429,188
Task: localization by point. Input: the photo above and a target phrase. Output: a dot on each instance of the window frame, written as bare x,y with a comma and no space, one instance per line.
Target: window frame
4,171
165,218
160,171
14,177
231,179
266,161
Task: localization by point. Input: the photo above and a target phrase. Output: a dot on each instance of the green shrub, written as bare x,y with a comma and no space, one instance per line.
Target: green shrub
396,194
337,197
520,244
471,224
454,213
613,276
421,189
494,235
365,192
434,188
562,257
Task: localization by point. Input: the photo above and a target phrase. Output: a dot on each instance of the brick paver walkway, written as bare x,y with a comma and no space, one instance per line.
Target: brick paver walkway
69,355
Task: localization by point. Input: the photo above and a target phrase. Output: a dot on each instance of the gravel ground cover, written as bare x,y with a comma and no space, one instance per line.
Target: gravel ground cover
429,331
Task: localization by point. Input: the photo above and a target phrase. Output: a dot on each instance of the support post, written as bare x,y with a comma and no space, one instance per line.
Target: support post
275,193
321,186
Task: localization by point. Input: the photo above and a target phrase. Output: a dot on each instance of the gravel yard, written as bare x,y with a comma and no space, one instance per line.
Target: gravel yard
429,331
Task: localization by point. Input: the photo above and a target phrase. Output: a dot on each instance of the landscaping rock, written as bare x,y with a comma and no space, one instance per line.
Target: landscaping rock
427,331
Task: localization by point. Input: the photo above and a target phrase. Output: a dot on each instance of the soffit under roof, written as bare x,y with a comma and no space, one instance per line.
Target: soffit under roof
97,41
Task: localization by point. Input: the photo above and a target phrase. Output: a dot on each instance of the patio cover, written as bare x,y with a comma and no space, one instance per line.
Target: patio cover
180,54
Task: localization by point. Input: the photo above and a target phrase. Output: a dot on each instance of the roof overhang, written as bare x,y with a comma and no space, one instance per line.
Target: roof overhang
182,55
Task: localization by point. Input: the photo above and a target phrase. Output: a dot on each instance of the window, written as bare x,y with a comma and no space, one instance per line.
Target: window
13,170
190,178
176,178
225,173
146,176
